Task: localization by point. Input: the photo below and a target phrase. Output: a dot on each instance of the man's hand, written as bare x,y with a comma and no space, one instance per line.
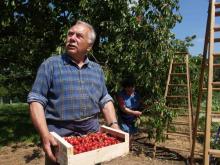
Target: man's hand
48,143
115,126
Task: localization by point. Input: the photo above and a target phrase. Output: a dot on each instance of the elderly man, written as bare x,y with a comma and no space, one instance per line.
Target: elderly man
69,91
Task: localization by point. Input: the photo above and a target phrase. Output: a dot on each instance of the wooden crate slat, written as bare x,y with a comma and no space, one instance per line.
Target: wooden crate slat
65,154
99,155
64,149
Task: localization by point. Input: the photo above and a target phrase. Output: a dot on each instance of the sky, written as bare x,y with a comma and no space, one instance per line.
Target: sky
194,13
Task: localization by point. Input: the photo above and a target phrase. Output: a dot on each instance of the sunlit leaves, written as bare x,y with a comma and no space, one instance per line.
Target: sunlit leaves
132,36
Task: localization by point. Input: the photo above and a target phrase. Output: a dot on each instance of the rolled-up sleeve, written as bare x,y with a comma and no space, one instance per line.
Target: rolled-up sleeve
35,97
105,95
104,100
40,87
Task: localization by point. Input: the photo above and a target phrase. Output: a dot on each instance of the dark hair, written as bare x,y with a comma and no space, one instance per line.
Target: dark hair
128,82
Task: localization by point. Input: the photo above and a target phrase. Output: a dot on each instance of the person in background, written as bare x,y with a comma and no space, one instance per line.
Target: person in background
69,91
129,102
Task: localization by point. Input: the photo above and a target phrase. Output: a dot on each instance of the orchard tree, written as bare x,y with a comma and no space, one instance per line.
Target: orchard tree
132,37
29,34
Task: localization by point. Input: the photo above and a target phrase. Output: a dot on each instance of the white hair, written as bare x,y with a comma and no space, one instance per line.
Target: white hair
92,34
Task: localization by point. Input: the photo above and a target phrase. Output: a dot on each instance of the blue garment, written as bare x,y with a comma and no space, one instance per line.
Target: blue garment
74,128
129,128
127,121
131,102
68,92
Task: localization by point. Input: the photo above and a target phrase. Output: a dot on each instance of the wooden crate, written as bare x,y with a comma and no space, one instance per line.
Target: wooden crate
65,152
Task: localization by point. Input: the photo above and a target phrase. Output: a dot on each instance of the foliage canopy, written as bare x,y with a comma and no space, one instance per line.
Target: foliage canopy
132,37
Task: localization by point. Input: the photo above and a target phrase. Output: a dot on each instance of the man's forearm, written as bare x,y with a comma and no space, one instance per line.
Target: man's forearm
109,114
39,121
38,118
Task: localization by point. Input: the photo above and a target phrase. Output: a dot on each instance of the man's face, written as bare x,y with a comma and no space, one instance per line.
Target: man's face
77,40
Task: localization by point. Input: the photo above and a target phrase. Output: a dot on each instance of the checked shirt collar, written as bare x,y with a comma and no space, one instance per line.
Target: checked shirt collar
68,61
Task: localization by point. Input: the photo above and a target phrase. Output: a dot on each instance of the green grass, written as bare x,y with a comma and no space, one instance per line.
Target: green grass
15,125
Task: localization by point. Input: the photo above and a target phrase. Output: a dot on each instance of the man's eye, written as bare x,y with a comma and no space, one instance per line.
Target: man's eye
70,33
78,35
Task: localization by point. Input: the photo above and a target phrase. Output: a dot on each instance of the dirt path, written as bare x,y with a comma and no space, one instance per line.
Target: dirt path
23,153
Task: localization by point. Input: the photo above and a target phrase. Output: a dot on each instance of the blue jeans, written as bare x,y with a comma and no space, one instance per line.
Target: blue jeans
128,127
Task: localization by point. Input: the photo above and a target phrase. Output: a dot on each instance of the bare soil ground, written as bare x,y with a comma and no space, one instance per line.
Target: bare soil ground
31,154
20,154
141,153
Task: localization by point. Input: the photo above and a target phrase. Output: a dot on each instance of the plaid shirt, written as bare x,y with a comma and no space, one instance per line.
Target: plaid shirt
68,92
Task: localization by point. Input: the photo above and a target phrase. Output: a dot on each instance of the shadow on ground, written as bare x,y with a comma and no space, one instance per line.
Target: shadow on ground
141,146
